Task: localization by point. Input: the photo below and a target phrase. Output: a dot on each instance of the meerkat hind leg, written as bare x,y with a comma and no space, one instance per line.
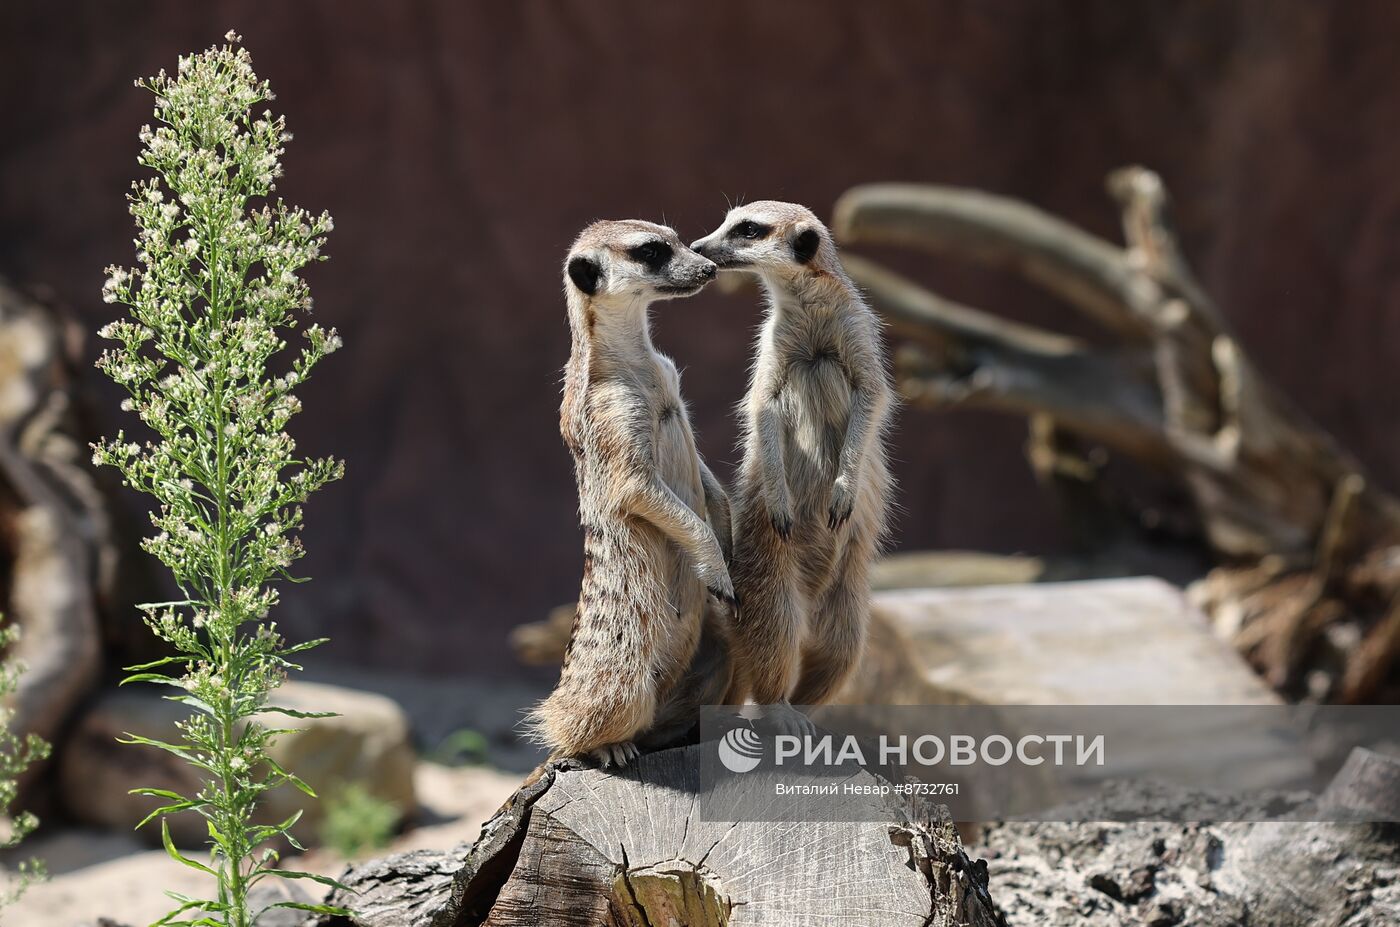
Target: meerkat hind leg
836,634
767,633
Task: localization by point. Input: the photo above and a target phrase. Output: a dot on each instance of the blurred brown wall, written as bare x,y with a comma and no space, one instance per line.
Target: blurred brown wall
460,146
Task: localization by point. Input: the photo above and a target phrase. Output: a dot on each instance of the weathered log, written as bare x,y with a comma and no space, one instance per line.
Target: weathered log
578,846
1269,860
1273,494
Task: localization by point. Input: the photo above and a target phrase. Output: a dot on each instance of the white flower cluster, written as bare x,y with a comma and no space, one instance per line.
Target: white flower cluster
215,285
214,292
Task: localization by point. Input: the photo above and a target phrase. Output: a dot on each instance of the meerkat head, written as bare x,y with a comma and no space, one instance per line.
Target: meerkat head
630,260
768,237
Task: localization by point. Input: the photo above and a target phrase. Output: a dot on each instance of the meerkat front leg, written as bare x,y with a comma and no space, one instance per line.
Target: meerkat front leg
843,490
654,501
717,504
773,474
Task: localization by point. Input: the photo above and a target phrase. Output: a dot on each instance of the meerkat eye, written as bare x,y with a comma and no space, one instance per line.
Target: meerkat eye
654,254
748,229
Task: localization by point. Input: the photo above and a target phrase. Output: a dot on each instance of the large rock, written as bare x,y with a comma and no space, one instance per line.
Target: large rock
1118,642
1101,642
367,742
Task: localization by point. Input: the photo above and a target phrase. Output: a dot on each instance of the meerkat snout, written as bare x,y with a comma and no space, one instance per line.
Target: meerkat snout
766,236
639,260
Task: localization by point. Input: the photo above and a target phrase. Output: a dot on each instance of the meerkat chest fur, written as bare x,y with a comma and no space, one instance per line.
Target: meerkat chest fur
814,336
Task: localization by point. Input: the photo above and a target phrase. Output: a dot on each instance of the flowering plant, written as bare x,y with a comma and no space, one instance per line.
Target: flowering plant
16,755
215,286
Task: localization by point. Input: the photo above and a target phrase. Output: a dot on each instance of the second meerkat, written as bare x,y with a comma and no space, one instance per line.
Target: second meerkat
812,492
655,519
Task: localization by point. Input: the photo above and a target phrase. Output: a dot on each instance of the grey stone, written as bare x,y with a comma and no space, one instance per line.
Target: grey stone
367,742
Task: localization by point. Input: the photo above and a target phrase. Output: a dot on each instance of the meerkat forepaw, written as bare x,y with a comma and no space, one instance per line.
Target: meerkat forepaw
721,589
843,502
615,756
726,601
782,523
715,575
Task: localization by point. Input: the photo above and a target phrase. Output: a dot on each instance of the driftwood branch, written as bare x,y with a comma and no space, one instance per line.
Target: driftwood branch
1084,270
57,524
1174,392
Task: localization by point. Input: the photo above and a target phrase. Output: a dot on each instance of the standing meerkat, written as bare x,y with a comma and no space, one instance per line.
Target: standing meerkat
653,514
812,493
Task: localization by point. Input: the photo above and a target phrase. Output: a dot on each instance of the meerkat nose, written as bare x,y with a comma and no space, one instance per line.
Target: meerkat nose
708,271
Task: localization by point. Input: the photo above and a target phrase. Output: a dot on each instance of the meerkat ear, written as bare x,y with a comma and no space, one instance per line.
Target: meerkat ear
584,273
805,244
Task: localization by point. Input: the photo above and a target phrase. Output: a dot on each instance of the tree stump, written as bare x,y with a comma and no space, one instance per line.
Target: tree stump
579,847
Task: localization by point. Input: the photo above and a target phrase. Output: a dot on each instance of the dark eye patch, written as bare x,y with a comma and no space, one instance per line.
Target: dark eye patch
654,254
750,230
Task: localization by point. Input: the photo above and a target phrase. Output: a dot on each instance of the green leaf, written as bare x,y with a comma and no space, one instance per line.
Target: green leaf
163,661
168,809
158,793
295,713
294,874
268,831
156,678
314,908
305,645
288,777
184,753
176,855
188,904
195,703
289,823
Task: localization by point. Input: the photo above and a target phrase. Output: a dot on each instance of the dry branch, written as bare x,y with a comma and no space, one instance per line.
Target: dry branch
57,533
1271,491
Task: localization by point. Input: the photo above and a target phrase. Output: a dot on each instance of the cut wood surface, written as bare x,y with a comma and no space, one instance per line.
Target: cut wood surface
579,846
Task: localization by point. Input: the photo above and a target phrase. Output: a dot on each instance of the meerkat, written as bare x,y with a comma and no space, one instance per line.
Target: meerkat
655,519
812,492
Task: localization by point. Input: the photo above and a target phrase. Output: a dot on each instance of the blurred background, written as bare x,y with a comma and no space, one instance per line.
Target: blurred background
460,148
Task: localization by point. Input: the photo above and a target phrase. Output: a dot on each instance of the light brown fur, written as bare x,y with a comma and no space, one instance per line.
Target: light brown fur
653,515
811,496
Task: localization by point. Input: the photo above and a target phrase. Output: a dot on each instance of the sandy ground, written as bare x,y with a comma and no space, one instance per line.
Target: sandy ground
97,874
